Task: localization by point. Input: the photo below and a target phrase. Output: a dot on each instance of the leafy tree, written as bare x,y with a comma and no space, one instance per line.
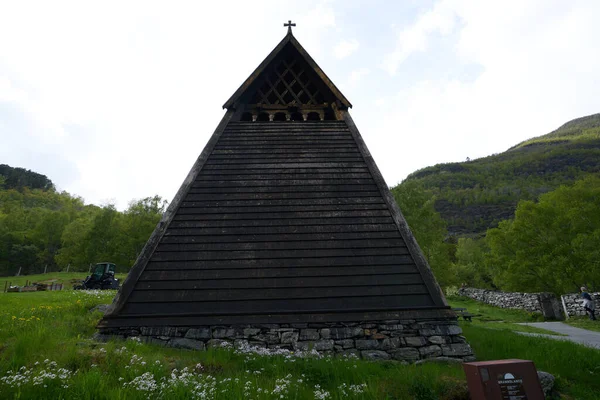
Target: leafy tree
551,245
139,222
19,178
470,267
427,226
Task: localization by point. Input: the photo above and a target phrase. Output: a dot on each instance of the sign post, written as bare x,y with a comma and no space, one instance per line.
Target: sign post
503,380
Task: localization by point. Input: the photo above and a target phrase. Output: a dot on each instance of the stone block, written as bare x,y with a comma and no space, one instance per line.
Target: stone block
222,333
459,339
289,337
415,341
325,333
168,331
437,339
391,343
309,334
183,343
366,344
546,381
199,333
287,346
375,355
346,333
450,329
430,351
318,345
456,350
345,343
268,337
212,343
350,353
379,336
391,327
406,354
251,332
240,343
368,326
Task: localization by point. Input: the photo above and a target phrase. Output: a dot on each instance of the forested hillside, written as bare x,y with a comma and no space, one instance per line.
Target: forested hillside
474,196
40,227
524,220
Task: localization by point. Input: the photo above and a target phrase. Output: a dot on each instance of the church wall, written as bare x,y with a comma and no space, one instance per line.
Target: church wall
401,340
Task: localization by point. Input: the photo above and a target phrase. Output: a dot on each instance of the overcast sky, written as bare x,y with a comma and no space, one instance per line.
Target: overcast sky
114,101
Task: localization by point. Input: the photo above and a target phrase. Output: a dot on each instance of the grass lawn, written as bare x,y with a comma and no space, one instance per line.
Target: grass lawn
491,317
68,279
46,352
585,323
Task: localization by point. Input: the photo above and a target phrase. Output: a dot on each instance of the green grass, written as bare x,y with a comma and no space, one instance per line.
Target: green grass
577,368
491,317
57,326
68,279
584,322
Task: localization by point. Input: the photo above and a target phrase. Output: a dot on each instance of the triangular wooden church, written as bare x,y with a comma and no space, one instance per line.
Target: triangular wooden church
285,222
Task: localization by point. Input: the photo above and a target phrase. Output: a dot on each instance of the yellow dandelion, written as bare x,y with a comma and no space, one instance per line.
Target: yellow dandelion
21,319
14,317
37,318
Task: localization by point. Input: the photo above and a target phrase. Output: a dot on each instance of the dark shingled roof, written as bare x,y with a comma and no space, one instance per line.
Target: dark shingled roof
279,222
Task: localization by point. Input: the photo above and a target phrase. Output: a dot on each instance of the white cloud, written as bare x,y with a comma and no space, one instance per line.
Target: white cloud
357,74
142,83
116,100
345,48
415,37
539,69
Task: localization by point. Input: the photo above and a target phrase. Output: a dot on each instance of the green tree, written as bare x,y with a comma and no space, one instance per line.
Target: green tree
139,221
427,226
470,267
550,245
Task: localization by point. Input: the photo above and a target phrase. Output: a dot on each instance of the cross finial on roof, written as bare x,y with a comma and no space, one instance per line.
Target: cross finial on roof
289,25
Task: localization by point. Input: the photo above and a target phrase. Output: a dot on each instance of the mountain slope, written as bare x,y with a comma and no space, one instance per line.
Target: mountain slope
475,195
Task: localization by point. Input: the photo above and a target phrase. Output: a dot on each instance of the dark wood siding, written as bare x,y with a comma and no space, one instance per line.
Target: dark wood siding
282,219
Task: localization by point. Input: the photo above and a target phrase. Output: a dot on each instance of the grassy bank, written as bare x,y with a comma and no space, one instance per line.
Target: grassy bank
46,352
491,317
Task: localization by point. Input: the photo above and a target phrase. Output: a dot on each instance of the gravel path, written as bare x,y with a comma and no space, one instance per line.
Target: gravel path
577,335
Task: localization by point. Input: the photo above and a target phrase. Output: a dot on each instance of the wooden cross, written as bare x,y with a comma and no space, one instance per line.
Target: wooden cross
289,26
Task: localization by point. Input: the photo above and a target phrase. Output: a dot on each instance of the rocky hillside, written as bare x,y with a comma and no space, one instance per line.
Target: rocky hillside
475,195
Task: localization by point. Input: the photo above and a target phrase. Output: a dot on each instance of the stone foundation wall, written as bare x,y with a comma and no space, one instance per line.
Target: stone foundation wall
544,303
573,304
401,340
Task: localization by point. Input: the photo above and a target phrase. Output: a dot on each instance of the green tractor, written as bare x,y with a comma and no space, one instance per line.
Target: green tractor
102,278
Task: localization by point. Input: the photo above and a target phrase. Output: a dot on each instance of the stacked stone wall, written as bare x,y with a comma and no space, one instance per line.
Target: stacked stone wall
402,340
573,304
544,303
